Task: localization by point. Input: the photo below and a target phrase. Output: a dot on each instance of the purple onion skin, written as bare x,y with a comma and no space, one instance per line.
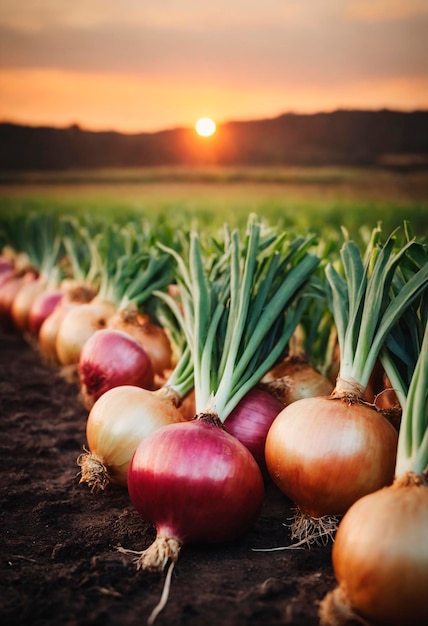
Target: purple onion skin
111,358
251,419
196,482
43,306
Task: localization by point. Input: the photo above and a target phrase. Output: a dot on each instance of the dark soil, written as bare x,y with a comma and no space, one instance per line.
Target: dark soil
59,563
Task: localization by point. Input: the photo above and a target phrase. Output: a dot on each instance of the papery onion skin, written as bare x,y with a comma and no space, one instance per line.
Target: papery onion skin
295,378
251,419
195,482
325,453
9,288
77,326
116,424
380,557
23,301
111,358
49,330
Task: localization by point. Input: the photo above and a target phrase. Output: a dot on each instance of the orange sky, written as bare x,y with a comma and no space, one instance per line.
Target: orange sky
145,66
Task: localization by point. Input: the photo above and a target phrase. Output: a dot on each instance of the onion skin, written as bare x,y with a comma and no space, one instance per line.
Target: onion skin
325,453
251,419
295,378
23,301
152,337
42,306
9,288
49,330
380,557
195,482
78,325
111,358
116,424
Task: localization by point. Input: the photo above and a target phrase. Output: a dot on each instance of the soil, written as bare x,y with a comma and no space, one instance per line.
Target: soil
59,559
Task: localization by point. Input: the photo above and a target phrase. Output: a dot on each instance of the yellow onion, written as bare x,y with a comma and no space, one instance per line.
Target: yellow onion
49,330
23,301
117,422
324,453
78,325
295,378
380,559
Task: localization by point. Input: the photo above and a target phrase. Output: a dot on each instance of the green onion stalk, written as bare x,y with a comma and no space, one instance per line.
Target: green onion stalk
238,309
42,247
128,269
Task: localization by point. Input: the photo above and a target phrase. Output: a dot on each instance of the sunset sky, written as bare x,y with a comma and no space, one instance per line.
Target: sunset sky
142,65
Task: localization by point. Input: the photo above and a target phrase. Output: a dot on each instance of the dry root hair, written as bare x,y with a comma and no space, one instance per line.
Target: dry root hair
335,610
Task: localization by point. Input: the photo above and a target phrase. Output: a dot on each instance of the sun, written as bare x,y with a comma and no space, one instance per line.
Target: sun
205,127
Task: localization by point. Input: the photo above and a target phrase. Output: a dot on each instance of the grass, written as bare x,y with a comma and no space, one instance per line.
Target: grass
317,199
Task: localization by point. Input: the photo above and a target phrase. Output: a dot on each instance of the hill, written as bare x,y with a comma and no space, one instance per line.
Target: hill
343,137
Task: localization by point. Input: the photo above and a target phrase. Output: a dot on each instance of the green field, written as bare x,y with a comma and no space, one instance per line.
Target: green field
315,199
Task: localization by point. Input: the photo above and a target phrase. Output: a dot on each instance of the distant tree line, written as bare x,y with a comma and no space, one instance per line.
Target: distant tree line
344,137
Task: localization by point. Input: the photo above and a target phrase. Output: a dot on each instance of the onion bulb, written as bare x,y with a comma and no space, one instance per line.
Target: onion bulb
195,482
78,325
42,306
23,301
49,330
325,453
295,378
152,337
380,559
117,422
111,358
251,419
10,285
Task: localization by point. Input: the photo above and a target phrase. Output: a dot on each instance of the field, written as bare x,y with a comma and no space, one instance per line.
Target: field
59,562
317,199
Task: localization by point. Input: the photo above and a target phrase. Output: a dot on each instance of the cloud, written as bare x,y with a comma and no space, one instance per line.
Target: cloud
290,50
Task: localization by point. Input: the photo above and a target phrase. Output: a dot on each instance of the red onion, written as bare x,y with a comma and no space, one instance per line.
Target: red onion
111,358
152,337
195,482
43,305
251,419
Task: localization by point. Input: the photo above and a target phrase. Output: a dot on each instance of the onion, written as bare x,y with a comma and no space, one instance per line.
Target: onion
49,330
117,422
195,482
23,301
42,306
152,337
78,325
111,358
9,288
324,453
380,559
251,419
295,378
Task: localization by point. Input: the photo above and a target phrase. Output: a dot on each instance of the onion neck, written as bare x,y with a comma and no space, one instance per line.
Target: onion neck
167,393
348,387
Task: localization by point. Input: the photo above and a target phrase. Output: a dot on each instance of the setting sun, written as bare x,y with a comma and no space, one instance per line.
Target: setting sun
205,127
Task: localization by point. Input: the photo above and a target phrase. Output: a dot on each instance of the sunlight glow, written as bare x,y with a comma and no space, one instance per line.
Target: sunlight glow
205,127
